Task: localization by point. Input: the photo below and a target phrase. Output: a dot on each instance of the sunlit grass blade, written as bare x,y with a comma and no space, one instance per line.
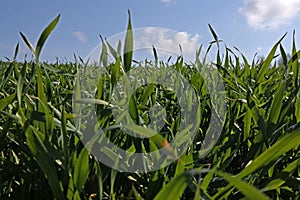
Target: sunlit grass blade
45,34
282,177
275,151
276,104
249,191
267,157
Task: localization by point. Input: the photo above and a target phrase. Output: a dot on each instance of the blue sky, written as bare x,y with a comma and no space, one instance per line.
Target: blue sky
253,26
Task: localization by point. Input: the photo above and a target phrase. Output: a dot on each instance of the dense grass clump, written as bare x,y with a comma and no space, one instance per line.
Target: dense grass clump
256,156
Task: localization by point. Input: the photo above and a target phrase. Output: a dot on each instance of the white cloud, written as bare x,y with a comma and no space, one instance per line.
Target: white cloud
167,1
269,14
80,36
168,41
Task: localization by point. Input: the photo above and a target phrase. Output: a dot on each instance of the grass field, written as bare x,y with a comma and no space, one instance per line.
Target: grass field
256,156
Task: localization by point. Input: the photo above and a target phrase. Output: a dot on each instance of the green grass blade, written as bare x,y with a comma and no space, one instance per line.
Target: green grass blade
267,62
42,103
297,110
103,55
247,123
113,175
250,192
113,52
77,106
45,34
283,145
43,159
64,141
276,104
16,51
81,169
295,63
128,46
204,184
174,189
136,194
6,101
285,174
27,42
214,34
284,58
21,83
155,55
7,74
133,110
115,72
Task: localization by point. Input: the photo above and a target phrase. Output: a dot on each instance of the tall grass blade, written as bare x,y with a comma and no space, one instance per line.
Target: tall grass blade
295,63
276,104
43,159
214,34
103,55
16,51
268,61
45,34
128,46
81,169
29,45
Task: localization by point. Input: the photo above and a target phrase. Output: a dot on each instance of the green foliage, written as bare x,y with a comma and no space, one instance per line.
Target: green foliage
257,155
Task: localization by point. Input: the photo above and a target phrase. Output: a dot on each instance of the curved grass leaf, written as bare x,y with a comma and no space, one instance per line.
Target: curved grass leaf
29,45
45,34
250,192
283,145
113,52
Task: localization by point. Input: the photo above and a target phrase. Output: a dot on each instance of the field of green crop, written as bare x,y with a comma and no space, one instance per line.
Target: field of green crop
257,155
